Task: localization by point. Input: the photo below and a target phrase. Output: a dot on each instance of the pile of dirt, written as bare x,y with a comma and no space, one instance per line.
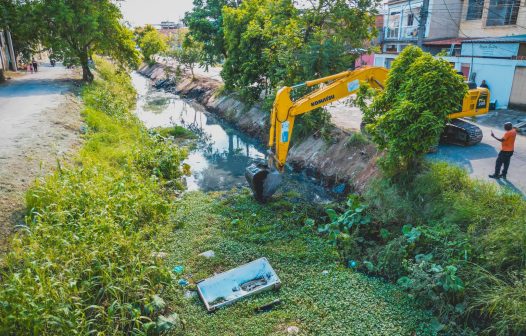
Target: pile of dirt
333,163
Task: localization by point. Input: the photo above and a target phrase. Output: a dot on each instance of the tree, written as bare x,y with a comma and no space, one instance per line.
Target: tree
205,23
407,118
151,43
75,29
22,20
270,43
189,55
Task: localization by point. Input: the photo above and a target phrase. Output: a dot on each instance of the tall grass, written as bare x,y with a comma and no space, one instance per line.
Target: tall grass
457,243
84,263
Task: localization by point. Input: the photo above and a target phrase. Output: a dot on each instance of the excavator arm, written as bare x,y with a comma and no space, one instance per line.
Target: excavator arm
284,110
264,179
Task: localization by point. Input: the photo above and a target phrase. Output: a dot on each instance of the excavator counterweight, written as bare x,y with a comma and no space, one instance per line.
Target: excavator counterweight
264,177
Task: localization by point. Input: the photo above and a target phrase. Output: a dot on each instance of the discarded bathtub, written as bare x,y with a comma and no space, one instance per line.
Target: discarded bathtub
246,280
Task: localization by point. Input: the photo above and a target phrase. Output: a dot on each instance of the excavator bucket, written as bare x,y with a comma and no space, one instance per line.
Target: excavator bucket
263,180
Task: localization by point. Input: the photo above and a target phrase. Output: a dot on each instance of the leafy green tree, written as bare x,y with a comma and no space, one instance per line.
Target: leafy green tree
152,43
21,19
270,43
76,29
407,118
189,55
205,22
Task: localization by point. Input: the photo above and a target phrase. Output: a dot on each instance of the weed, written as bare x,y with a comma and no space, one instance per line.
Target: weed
357,139
84,264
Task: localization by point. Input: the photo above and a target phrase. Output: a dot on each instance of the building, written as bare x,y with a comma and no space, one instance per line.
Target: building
501,61
170,25
492,18
402,21
366,58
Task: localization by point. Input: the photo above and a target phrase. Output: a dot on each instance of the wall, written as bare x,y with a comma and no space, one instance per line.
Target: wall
498,73
364,59
477,28
443,23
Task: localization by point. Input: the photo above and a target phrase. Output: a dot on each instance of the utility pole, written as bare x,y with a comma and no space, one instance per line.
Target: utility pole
424,11
11,50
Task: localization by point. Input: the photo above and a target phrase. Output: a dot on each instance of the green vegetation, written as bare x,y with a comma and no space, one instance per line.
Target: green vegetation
150,41
272,43
189,55
408,117
239,230
455,243
72,29
205,24
84,262
178,132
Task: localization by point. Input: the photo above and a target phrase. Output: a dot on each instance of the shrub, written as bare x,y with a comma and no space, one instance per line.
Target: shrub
83,263
457,244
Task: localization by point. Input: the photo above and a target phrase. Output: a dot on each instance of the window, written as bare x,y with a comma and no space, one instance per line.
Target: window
410,19
502,12
393,25
475,8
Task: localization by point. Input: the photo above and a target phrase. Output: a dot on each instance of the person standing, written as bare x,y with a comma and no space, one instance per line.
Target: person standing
506,152
35,65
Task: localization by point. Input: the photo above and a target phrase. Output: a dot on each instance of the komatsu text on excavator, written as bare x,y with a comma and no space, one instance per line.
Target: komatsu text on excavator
264,178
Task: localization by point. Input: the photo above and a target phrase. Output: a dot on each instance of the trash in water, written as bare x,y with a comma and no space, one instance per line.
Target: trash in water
178,269
352,264
228,287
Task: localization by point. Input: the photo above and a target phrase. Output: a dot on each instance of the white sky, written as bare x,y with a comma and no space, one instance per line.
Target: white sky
141,12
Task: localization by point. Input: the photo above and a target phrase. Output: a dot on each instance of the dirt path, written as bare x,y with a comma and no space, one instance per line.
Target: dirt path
39,123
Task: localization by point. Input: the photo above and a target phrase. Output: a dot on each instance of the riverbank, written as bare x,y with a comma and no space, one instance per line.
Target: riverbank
340,161
40,124
84,260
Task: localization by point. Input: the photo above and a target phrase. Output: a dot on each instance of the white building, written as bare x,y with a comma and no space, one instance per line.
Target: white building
501,61
402,19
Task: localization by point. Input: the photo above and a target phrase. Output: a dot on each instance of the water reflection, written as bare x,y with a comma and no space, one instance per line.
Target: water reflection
222,153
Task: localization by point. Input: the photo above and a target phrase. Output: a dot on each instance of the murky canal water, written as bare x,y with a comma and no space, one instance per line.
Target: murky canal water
218,162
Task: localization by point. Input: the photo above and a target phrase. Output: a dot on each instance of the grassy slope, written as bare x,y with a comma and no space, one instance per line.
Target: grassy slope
238,230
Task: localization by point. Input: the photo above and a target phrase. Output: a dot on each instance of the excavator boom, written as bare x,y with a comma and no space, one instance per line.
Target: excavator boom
264,178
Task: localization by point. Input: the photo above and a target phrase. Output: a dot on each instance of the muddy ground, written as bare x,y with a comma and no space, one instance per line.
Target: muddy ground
40,124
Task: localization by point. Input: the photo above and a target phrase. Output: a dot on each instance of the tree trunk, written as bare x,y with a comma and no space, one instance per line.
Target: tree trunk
87,76
2,77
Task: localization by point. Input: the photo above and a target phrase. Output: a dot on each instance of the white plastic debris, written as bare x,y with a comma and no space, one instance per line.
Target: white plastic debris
208,254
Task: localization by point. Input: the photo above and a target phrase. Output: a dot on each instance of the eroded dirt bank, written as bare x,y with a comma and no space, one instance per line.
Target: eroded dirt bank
40,125
334,162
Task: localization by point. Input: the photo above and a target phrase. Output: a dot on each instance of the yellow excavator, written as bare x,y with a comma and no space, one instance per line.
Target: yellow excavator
264,178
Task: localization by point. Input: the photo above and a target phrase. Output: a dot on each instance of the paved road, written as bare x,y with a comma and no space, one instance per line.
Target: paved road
478,160
39,123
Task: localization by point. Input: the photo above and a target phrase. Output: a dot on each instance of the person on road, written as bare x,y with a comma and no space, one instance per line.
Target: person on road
35,65
506,152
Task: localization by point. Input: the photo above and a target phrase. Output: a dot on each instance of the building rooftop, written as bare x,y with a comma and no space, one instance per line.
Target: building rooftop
503,39
450,41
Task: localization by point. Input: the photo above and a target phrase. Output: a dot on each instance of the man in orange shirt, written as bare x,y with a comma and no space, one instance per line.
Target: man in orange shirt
507,146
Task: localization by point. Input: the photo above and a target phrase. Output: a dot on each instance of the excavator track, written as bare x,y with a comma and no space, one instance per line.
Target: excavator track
461,132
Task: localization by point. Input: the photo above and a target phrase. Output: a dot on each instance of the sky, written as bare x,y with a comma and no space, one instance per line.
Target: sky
141,12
